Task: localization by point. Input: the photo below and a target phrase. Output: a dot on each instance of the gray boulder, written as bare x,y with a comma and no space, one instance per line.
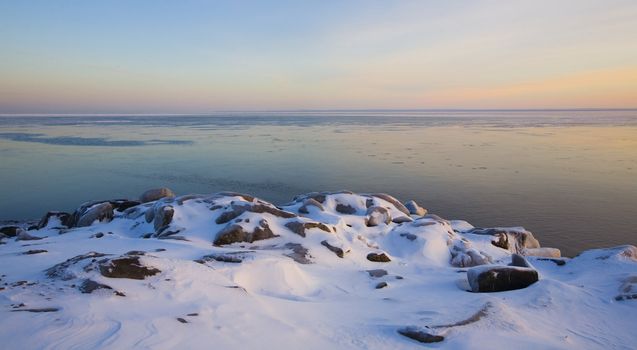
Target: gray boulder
415,209
234,233
155,194
126,267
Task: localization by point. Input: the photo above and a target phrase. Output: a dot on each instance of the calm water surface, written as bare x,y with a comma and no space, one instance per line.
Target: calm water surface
568,176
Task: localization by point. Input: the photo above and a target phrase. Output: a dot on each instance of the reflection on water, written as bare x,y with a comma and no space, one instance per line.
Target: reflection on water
569,176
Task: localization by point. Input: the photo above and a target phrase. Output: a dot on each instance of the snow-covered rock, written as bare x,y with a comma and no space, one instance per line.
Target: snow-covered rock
328,270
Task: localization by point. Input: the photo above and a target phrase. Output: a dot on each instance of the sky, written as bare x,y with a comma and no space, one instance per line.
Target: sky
201,56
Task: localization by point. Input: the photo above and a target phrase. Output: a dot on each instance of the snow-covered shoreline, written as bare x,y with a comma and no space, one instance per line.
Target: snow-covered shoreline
329,269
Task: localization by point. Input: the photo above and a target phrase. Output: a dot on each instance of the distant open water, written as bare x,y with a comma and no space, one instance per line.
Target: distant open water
568,176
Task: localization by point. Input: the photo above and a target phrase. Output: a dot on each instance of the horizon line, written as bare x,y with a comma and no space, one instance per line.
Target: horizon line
302,110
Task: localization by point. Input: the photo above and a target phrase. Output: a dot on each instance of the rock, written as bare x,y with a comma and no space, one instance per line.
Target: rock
310,202
420,335
260,208
162,218
126,267
61,270
155,194
235,257
558,262
519,261
43,309
378,257
415,209
89,286
300,228
181,320
377,215
234,233
35,251
402,219
392,200
98,235
468,257
515,240
98,212
299,253
345,209
336,250
62,217
123,205
10,231
500,278
245,197
377,273
544,252
24,236
381,285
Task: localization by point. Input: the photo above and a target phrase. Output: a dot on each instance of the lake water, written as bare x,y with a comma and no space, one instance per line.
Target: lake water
568,176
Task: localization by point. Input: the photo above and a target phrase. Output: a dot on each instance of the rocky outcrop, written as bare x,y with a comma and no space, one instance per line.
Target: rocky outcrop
339,251
234,233
155,194
238,208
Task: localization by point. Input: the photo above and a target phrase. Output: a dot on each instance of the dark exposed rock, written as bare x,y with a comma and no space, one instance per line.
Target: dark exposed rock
181,320
193,314
122,205
98,212
558,262
299,253
89,286
409,236
310,202
64,218
415,209
377,273
236,233
345,209
35,251
98,235
378,257
10,231
43,309
336,250
420,335
238,209
300,228
377,215
126,267
187,197
61,270
136,252
381,285
155,194
500,278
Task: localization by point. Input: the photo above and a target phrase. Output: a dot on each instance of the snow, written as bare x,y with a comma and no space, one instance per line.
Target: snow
269,300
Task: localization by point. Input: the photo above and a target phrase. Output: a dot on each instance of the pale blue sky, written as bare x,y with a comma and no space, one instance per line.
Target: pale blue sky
200,56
